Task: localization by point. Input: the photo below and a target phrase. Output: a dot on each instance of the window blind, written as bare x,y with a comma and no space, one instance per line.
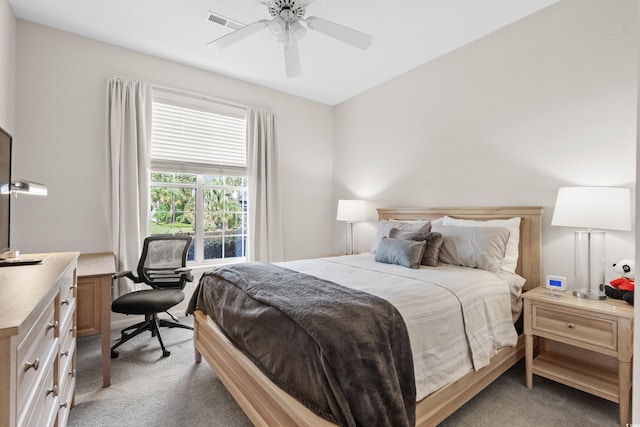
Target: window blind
197,136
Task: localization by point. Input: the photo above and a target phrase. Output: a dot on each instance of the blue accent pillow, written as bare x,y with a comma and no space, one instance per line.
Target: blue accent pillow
407,253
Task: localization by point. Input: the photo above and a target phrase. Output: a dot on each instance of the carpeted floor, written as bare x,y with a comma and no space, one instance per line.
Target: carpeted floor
148,390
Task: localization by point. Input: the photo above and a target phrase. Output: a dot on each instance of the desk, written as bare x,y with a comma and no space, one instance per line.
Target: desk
94,303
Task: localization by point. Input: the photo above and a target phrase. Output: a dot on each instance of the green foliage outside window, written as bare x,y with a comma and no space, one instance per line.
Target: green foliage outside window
173,210
173,206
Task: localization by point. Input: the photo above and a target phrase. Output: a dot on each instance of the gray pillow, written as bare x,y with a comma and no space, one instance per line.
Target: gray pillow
433,243
385,225
407,253
475,247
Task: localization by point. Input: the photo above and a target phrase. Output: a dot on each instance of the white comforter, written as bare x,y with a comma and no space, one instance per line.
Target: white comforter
457,317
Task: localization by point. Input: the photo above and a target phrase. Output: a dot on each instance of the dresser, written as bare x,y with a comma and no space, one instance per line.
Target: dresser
38,341
585,344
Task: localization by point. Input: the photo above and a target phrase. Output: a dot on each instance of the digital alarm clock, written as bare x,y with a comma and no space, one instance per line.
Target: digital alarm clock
556,282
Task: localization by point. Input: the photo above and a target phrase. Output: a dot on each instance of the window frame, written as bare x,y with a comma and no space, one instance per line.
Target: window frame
201,171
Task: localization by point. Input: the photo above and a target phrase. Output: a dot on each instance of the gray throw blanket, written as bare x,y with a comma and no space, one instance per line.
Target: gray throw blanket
345,354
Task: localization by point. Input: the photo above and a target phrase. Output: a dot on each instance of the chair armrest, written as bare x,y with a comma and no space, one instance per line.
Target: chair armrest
158,272
187,272
168,271
125,273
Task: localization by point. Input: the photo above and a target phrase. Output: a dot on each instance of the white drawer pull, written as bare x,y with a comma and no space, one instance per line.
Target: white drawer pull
571,325
53,390
35,365
64,353
51,325
63,405
65,301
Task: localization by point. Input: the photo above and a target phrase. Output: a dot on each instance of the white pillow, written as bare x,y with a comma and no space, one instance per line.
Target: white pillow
473,247
385,226
510,260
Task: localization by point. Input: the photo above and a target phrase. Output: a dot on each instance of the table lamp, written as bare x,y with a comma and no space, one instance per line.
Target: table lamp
351,211
24,186
602,208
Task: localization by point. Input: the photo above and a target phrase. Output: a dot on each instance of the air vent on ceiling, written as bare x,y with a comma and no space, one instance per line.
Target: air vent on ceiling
225,22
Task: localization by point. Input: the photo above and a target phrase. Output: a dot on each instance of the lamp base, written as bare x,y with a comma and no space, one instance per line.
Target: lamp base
9,255
588,294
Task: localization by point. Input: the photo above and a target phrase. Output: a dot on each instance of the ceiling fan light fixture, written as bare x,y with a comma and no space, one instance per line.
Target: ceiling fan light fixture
276,25
297,30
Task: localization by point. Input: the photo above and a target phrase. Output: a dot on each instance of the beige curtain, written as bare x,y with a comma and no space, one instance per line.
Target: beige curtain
128,136
265,216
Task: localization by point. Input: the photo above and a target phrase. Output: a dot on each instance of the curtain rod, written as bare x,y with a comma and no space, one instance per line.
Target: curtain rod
199,96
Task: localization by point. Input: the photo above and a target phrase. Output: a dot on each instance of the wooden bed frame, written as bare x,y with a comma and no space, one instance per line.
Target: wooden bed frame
267,405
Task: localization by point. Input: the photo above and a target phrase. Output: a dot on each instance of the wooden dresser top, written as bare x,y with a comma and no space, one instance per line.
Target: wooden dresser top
24,288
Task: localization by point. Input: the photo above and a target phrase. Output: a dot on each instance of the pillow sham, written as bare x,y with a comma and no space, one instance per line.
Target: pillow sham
433,243
475,247
407,253
510,261
385,225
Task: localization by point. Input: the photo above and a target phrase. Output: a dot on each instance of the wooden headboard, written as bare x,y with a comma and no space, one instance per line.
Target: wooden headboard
529,259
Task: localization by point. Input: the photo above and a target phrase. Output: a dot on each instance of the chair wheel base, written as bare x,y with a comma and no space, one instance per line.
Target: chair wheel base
114,354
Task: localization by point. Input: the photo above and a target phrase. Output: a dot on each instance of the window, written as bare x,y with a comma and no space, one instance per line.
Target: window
198,182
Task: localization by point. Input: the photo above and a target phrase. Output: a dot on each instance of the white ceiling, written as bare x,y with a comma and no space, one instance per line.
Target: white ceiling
406,34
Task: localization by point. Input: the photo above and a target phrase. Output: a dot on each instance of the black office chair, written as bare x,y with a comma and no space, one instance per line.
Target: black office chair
162,266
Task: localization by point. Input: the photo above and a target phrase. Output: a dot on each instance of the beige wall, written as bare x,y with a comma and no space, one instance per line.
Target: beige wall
546,102
7,66
60,112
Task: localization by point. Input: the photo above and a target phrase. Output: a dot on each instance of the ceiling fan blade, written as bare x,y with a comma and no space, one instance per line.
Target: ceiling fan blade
292,58
237,35
340,32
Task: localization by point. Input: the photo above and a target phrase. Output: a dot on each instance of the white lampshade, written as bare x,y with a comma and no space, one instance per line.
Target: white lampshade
607,208
351,210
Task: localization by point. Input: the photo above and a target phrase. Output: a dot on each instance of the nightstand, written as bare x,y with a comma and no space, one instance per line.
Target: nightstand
585,344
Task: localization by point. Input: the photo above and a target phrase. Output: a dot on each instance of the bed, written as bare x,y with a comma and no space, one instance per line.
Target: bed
266,404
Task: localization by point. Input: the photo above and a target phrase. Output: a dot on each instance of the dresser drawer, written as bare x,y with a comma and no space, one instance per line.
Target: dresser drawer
34,354
41,409
594,331
65,400
68,328
66,356
67,297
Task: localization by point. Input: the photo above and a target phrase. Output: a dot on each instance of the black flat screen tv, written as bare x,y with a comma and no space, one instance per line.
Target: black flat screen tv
5,185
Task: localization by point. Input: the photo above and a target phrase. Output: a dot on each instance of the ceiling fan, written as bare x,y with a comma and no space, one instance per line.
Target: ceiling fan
286,26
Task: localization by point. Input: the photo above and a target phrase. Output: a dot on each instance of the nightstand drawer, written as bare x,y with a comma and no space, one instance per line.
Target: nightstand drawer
596,331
